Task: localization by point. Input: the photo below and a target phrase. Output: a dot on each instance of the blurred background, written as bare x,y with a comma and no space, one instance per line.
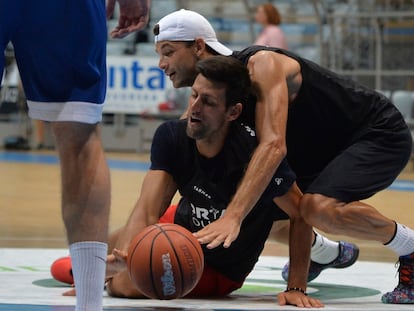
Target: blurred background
371,41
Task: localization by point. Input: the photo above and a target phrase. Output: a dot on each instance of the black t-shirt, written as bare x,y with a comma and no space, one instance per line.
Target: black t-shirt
207,186
328,115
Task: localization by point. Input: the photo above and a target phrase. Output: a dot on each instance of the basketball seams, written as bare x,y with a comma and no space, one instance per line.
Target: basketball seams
196,246
180,263
136,242
158,247
151,270
178,228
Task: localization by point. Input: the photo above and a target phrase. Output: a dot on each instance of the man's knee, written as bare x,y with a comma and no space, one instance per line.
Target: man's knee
309,206
74,136
321,211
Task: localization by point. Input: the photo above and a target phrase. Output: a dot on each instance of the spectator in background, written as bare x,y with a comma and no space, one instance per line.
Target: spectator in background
271,35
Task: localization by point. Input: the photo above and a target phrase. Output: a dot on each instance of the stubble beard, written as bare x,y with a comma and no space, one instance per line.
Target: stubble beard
199,133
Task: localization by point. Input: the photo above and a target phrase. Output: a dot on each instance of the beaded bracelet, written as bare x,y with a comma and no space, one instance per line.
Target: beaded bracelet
297,289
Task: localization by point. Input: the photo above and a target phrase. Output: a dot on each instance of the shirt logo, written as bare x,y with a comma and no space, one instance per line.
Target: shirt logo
202,216
278,180
202,192
250,130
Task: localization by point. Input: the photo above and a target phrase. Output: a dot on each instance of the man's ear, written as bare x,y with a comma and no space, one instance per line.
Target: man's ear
200,46
235,111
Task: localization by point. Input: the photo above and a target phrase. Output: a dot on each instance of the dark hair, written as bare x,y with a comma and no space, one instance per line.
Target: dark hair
229,71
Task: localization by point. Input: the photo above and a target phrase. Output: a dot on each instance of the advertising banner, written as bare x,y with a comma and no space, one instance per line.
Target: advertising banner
135,85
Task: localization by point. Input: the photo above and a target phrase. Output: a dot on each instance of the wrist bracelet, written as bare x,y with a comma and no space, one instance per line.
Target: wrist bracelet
296,289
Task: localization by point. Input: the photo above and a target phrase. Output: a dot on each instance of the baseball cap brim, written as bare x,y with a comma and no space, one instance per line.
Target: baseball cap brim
219,48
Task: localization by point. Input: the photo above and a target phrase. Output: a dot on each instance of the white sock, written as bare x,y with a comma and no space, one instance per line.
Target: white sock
323,250
403,241
88,267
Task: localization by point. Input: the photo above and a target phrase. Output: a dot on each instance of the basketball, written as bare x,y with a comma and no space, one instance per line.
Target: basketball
165,261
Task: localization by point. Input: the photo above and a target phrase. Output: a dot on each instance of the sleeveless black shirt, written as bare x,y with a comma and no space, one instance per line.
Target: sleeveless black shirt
329,113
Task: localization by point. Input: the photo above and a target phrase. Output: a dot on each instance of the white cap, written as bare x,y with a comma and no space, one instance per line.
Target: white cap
185,25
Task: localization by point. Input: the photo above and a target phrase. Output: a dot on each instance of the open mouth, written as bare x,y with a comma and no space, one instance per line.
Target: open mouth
172,75
194,120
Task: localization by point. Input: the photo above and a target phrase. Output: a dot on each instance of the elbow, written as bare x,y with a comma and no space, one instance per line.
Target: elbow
276,148
282,151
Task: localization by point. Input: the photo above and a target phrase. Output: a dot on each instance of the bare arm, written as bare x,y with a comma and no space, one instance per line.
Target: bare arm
157,191
300,238
269,80
134,15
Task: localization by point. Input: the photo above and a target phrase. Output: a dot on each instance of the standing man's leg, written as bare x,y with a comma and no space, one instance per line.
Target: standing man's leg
85,207
60,49
63,72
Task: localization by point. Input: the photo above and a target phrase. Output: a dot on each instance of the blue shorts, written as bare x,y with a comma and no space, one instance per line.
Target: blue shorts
60,49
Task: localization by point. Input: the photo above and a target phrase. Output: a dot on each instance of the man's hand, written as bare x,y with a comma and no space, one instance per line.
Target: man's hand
115,263
133,16
222,231
298,299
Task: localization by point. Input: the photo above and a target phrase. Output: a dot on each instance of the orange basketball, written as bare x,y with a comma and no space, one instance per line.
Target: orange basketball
165,261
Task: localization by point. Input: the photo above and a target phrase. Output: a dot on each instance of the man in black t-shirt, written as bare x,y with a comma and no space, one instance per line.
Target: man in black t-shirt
204,158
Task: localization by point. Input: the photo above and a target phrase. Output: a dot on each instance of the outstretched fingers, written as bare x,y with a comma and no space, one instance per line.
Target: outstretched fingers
221,231
298,299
